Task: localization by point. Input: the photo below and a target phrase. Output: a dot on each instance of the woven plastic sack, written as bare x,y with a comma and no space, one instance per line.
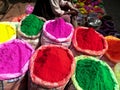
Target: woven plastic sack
50,38
113,52
47,41
40,84
19,83
88,64
7,32
14,59
80,50
117,72
33,40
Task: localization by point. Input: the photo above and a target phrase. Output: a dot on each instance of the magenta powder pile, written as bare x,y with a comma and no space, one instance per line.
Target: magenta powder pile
58,28
13,56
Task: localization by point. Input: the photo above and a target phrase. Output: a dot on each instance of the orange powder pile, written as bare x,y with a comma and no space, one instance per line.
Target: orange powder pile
113,52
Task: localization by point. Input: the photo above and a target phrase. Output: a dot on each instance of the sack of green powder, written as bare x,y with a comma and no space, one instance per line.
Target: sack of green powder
14,61
7,32
89,42
57,32
30,28
51,67
93,74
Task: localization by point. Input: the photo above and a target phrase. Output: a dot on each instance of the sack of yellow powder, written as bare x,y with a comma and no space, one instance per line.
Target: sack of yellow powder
93,74
7,32
30,29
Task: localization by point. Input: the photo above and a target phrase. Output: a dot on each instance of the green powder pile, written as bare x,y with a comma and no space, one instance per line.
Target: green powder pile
92,74
31,25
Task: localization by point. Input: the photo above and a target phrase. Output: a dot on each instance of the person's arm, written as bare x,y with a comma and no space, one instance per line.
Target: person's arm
71,7
55,5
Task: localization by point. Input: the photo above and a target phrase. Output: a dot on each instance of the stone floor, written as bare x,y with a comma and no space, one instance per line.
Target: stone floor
16,8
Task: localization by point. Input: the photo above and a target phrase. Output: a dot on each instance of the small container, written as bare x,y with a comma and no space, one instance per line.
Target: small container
93,20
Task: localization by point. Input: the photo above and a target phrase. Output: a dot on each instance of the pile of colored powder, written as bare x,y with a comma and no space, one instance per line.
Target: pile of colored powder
113,52
7,32
58,28
31,25
52,64
13,56
93,74
87,38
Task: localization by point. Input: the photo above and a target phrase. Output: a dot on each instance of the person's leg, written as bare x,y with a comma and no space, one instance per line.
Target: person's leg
74,21
43,8
37,8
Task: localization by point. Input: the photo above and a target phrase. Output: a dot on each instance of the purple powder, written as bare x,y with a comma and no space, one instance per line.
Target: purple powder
13,56
59,28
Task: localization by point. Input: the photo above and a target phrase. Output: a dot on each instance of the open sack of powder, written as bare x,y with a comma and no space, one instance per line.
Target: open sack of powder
58,32
14,59
7,32
113,52
30,28
93,74
51,67
88,41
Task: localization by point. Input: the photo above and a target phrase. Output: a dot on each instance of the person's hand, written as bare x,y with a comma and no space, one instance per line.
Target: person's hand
73,12
71,6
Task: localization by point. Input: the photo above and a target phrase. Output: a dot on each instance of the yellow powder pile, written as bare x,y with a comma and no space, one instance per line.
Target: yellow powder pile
7,32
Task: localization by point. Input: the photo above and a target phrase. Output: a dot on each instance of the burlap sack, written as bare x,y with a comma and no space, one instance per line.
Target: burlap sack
47,38
19,83
35,83
14,54
79,50
32,40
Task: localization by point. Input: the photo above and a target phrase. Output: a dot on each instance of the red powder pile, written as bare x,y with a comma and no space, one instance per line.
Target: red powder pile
87,38
52,64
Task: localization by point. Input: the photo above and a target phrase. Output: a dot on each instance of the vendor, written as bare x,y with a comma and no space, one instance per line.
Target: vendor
50,9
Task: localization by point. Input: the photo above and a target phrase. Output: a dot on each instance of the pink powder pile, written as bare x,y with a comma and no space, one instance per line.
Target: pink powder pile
13,56
58,28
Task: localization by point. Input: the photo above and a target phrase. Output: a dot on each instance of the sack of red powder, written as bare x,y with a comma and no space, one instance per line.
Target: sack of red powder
58,32
30,29
14,60
88,41
51,67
